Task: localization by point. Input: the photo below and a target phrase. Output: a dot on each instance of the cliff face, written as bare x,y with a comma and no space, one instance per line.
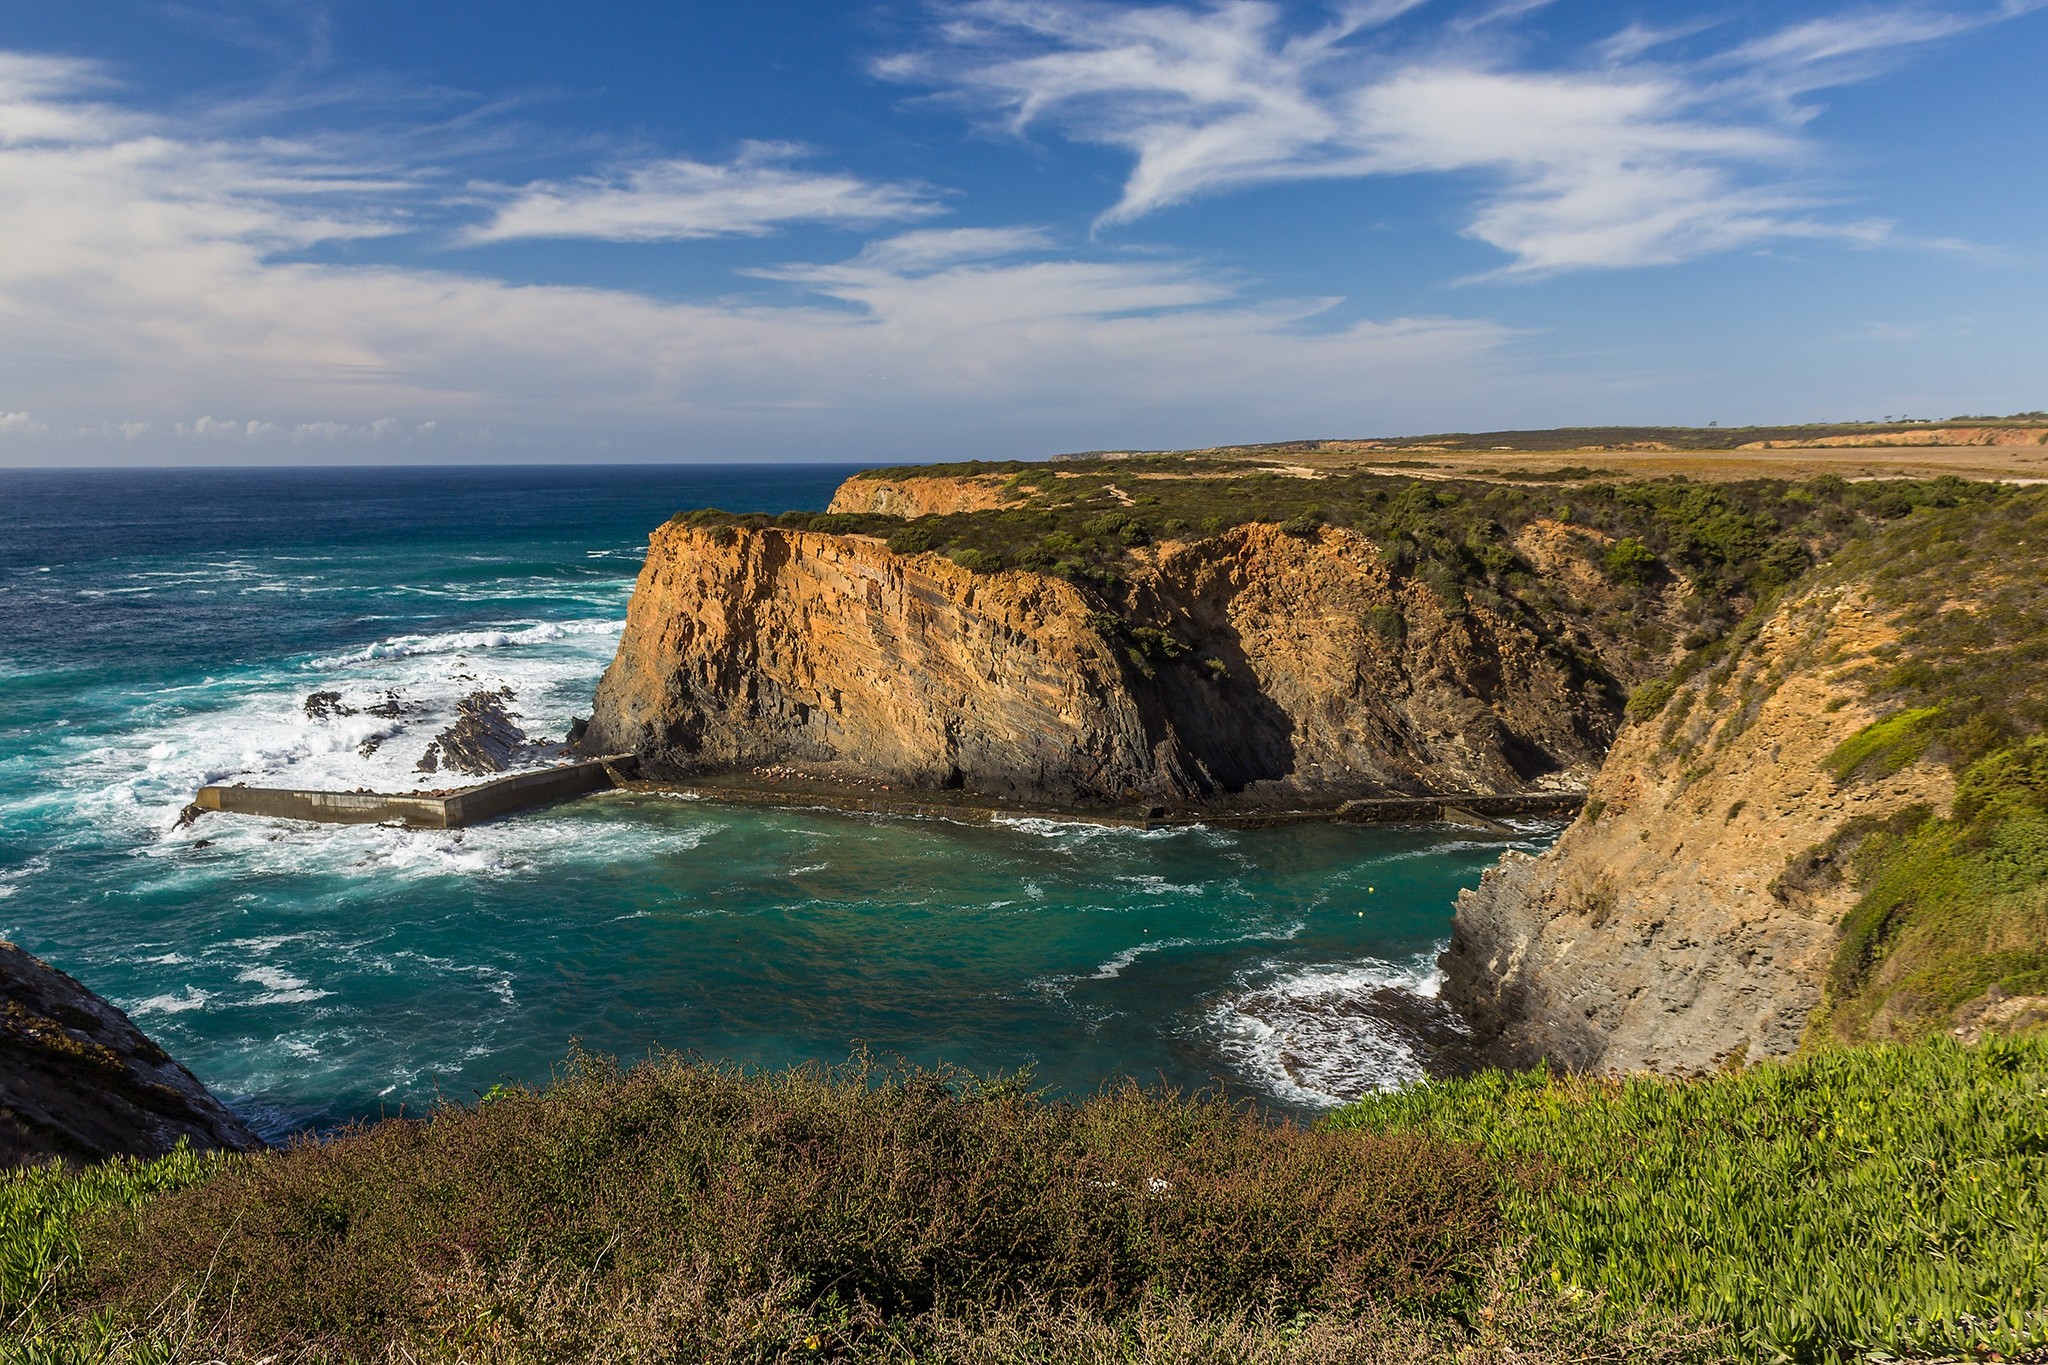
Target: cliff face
921,496
1684,919
1277,668
79,1081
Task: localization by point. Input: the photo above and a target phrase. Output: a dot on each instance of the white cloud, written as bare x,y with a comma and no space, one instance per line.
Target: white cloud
1614,164
930,248
153,280
749,196
21,424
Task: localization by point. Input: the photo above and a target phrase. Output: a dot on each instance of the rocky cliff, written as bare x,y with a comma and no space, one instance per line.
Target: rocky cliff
915,495
1254,665
1663,931
80,1082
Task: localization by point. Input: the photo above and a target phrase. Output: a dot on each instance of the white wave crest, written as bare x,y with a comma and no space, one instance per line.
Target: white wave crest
1312,1036
192,998
462,641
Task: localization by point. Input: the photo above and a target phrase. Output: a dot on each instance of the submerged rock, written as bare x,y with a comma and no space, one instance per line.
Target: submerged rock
80,1082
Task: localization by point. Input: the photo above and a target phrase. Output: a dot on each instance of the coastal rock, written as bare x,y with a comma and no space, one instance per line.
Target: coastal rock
920,495
1253,666
1670,929
484,738
78,1081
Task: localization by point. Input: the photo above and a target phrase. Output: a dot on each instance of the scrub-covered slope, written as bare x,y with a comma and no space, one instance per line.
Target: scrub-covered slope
1838,829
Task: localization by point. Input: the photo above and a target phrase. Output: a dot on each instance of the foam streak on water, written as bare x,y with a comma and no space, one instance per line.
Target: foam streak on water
162,631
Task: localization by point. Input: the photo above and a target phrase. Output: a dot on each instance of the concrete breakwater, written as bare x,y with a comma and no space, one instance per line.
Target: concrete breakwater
444,810
523,791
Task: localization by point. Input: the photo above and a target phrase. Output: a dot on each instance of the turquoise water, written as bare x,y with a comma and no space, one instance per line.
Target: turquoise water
162,629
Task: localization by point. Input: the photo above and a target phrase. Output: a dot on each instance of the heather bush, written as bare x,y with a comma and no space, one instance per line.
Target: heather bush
721,1211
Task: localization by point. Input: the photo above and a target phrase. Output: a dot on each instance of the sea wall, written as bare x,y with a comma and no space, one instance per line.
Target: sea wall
449,810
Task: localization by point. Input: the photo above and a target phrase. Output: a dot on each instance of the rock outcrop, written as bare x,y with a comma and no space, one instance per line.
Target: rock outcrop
1252,666
918,495
1689,916
78,1081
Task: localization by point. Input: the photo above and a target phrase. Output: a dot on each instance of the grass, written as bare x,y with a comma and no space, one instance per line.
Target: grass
1888,1199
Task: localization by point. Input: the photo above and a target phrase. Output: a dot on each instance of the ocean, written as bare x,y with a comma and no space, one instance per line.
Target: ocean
162,629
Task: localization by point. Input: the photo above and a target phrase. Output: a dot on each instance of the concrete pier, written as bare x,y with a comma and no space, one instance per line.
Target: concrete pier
486,801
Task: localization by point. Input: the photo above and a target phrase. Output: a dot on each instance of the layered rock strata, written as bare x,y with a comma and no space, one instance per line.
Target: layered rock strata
79,1081
1253,666
1688,917
918,495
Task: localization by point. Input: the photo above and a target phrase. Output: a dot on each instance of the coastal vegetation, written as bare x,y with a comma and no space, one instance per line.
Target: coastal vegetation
1731,544
1954,912
1888,1199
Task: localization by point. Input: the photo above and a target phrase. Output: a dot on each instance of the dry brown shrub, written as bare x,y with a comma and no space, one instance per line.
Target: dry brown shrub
685,1211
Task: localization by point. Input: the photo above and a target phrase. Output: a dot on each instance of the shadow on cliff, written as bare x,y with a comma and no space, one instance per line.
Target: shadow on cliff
1225,731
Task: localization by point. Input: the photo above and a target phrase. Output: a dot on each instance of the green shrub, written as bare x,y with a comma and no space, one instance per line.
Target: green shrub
915,539
1304,524
976,561
1630,561
1888,1199
1649,699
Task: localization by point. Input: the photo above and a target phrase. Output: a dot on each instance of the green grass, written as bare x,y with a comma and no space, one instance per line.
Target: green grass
1887,1199
1885,746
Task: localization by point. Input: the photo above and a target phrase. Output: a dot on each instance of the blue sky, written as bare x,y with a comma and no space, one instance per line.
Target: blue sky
282,231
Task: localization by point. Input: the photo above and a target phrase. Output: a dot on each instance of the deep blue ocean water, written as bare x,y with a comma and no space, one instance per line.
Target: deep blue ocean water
160,630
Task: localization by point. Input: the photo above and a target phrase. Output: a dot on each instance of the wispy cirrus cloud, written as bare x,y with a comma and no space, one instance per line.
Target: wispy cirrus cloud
752,195
1615,161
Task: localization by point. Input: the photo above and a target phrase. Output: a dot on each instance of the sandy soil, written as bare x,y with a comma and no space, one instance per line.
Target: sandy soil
2015,464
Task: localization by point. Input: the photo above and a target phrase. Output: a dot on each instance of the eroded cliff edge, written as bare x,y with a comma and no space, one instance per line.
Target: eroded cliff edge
79,1081
1255,665
1838,831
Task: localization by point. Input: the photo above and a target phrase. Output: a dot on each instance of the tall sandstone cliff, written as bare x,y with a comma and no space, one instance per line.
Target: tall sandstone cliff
1252,666
1670,928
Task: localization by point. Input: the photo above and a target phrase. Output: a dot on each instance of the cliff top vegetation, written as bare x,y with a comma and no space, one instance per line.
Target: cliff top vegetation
1732,543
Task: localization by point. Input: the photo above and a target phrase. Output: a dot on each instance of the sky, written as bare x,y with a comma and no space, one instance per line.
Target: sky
367,231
